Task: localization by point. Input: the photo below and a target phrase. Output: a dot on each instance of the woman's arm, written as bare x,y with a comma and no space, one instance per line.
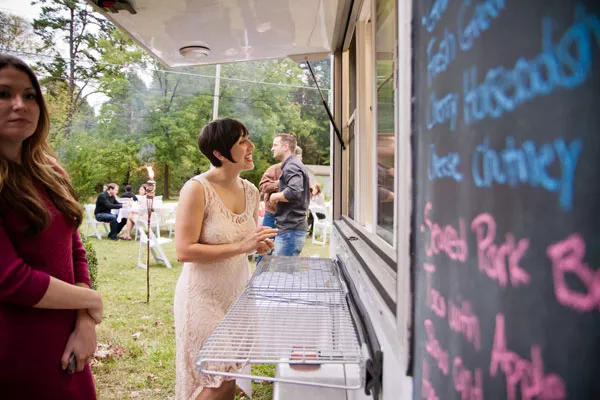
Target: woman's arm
190,216
80,264
21,284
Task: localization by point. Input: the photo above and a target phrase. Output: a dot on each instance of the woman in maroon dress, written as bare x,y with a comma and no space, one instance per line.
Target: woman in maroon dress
47,311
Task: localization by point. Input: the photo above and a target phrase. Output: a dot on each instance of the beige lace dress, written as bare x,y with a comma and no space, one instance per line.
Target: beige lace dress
206,291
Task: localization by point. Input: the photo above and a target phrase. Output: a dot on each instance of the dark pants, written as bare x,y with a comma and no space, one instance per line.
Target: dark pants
115,227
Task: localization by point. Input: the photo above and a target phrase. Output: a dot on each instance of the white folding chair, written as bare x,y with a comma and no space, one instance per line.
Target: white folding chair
320,225
91,221
168,215
154,219
155,245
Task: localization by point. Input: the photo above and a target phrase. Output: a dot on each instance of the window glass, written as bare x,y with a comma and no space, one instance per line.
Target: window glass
351,133
385,42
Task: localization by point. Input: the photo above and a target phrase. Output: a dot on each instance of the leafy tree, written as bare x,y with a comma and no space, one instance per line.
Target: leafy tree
76,24
15,33
318,138
178,108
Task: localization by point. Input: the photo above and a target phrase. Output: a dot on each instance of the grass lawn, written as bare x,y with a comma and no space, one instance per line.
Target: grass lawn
136,356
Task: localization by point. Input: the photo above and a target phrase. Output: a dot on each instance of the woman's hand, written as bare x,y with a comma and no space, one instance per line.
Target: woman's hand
82,341
265,246
254,240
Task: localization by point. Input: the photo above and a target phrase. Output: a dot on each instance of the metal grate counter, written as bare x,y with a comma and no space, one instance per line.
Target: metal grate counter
293,311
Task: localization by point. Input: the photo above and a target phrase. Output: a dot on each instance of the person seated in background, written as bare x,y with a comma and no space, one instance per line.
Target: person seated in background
133,214
105,202
128,194
316,198
316,195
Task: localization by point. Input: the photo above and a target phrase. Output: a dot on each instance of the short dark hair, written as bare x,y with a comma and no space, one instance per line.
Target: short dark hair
111,186
128,188
288,139
220,135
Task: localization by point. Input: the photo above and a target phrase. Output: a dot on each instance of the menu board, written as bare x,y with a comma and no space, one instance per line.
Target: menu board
506,229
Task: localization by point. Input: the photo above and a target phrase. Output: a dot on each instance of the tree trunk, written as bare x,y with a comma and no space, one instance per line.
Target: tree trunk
71,88
166,182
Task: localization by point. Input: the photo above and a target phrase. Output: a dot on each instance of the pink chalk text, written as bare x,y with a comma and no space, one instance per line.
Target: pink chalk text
427,390
435,301
529,374
467,383
445,238
433,347
499,262
463,321
567,258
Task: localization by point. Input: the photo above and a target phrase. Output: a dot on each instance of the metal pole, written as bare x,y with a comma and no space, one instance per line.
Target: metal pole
215,113
149,206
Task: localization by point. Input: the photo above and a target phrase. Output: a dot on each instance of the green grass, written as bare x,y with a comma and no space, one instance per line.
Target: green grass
138,339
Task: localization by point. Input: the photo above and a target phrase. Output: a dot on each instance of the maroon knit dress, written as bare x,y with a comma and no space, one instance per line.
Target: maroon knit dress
32,340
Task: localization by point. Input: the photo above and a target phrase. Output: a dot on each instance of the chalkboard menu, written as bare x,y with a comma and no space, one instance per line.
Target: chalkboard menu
506,232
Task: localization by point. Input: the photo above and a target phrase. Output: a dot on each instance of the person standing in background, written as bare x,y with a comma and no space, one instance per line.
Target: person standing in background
269,184
48,313
216,229
292,198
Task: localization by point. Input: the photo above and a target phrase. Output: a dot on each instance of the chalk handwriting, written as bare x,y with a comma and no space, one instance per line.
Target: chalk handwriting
429,21
443,167
441,111
433,347
529,374
445,239
567,258
556,67
499,262
529,165
438,61
463,321
469,385
435,301
427,389
481,16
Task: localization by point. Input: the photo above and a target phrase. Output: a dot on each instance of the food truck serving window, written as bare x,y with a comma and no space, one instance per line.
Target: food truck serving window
371,123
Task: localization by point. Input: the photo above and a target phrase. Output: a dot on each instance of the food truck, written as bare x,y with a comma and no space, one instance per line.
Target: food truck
465,228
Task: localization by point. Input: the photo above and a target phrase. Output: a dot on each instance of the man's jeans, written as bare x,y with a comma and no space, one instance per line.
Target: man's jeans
289,243
268,220
115,227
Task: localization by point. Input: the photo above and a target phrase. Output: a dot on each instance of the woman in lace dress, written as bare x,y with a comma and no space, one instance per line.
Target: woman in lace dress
216,229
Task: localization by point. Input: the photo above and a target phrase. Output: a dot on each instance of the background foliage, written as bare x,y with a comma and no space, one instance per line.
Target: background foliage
114,109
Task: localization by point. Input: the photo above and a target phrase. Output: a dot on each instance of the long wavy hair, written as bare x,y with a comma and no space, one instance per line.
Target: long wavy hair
38,169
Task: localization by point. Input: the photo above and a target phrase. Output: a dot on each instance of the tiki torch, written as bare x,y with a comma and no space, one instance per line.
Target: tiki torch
150,186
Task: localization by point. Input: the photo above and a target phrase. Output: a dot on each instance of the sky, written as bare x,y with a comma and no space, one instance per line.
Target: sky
24,9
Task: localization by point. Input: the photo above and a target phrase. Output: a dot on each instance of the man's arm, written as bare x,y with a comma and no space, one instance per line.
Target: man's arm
294,178
269,183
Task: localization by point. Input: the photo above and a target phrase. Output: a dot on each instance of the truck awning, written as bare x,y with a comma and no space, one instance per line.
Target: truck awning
195,32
